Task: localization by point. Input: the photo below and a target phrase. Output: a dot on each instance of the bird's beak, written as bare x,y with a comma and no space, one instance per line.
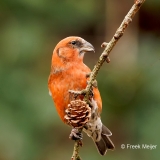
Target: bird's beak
86,47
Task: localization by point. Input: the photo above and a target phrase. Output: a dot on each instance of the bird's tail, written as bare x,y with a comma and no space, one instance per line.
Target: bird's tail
105,142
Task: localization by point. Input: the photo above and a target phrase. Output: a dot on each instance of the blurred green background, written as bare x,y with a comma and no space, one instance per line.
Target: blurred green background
30,128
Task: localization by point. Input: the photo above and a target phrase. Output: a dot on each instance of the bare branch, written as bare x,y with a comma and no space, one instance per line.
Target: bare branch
105,57
75,155
109,46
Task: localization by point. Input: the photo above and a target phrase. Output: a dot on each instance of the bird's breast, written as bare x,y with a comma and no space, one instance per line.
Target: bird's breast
61,81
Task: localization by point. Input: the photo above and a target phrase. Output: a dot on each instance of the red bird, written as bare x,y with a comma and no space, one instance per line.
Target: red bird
68,72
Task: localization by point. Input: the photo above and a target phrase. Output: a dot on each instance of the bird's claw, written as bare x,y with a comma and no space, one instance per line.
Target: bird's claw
76,134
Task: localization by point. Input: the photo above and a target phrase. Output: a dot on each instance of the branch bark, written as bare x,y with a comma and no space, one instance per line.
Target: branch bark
105,57
75,155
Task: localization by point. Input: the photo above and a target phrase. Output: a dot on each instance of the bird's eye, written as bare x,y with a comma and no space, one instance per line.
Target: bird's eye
73,42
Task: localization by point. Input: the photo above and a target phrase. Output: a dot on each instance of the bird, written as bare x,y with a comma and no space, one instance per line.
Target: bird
68,72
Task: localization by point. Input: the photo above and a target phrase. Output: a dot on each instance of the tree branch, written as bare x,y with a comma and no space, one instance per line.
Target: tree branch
105,57
109,46
75,155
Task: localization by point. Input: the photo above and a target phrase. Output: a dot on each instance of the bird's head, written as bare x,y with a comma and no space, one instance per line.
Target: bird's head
71,49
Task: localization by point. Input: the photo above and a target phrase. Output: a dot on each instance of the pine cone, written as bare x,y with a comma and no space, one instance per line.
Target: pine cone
78,113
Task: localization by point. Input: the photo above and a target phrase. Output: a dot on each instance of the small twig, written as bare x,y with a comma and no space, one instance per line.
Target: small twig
77,93
77,145
75,155
105,57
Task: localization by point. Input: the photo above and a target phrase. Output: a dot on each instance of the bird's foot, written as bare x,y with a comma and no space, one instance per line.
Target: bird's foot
76,134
